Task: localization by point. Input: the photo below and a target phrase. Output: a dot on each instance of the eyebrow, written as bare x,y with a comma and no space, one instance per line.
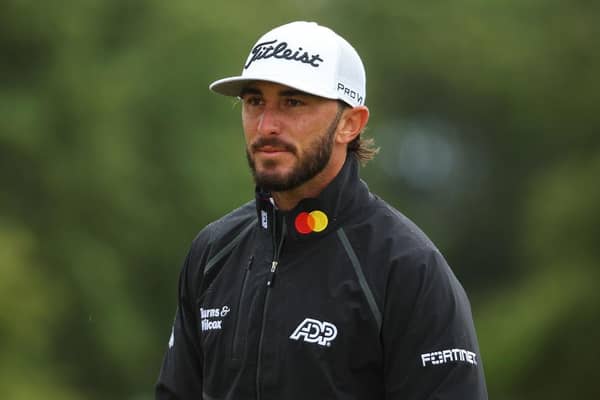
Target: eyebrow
249,90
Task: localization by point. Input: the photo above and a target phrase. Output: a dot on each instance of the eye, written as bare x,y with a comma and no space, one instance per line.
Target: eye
292,102
253,100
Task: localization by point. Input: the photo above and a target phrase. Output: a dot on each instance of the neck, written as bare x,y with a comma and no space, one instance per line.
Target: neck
287,200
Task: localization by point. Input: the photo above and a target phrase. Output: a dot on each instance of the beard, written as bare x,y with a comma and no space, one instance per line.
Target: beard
315,159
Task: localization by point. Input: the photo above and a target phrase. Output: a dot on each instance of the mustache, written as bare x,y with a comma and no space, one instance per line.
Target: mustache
273,142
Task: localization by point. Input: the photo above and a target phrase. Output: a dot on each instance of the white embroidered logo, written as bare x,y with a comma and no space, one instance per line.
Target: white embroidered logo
264,219
208,315
314,331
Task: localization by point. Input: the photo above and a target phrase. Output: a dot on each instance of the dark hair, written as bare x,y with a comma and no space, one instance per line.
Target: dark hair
363,149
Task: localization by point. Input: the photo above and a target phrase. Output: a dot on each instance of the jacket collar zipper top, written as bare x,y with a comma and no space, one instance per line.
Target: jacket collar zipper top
277,241
336,202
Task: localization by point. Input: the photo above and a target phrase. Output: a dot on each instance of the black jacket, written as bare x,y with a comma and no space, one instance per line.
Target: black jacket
362,307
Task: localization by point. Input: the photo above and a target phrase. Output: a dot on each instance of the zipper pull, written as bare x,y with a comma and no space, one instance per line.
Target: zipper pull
272,274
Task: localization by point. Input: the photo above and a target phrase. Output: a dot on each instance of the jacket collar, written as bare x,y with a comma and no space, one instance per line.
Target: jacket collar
314,217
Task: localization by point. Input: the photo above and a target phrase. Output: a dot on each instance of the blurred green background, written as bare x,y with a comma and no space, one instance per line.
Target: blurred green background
113,154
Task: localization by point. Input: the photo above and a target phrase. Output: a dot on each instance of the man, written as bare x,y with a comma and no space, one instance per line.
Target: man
317,289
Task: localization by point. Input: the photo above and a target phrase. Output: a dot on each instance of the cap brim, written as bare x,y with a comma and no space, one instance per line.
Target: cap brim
233,86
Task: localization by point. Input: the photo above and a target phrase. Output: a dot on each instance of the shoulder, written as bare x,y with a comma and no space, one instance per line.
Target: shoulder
210,243
391,247
412,246
382,228
222,232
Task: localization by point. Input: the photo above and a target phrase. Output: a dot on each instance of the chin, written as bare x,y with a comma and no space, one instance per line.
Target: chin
274,169
272,181
271,176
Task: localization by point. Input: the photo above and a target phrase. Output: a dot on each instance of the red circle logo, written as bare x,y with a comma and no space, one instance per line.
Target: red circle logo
315,221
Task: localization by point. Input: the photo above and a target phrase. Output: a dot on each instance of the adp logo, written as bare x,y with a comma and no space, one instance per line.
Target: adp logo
314,331
314,221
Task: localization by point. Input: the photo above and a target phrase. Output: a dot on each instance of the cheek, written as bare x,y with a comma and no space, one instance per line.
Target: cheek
308,131
249,128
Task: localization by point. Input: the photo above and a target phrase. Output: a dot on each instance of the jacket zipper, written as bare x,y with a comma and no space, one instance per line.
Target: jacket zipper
236,337
277,245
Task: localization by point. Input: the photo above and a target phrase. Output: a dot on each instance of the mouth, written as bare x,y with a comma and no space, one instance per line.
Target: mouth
271,150
272,147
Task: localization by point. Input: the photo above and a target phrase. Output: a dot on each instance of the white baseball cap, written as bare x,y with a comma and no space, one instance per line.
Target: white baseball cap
305,56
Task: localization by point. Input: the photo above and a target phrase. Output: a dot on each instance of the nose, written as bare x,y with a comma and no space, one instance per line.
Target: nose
269,121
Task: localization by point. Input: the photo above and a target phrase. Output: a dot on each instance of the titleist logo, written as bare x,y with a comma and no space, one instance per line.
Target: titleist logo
280,50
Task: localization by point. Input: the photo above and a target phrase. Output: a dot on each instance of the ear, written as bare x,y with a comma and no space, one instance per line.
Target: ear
351,124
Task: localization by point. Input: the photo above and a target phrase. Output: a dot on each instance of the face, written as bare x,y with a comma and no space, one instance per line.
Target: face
289,134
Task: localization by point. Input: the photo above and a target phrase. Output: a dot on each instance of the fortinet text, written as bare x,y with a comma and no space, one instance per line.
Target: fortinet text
446,356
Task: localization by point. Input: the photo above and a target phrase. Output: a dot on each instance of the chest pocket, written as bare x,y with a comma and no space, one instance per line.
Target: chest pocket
240,327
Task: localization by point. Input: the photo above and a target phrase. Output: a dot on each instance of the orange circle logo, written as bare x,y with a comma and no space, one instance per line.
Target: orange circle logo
315,221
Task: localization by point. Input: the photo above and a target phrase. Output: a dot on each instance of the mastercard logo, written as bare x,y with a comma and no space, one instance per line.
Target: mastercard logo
314,221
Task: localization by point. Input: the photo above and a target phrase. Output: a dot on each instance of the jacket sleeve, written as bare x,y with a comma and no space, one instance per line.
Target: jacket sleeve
429,339
181,372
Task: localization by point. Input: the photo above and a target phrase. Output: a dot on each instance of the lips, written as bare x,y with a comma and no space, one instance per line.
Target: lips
272,146
271,149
